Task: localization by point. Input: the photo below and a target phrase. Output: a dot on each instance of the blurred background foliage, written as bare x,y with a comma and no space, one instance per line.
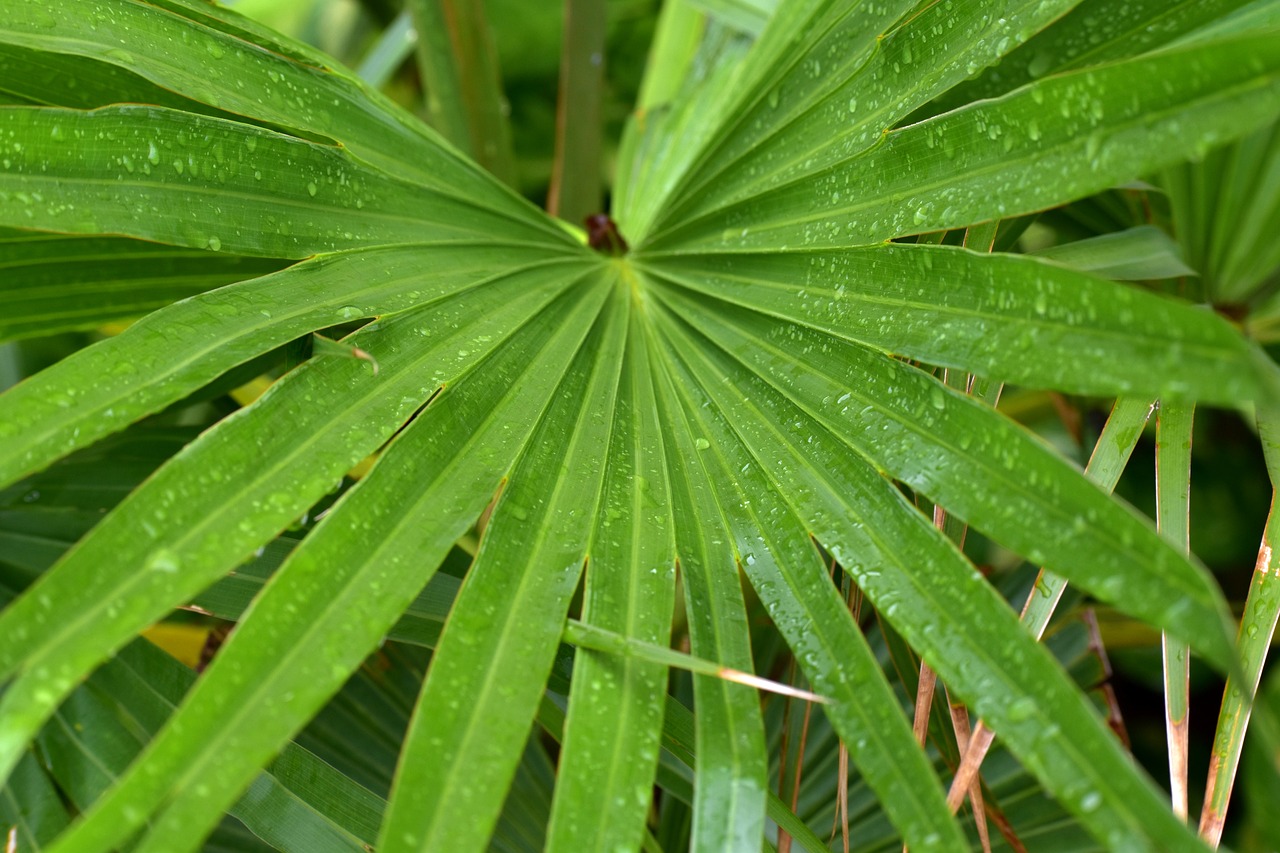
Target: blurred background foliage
527,36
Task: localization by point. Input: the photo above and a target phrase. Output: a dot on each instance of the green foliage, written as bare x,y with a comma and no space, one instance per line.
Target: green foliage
723,434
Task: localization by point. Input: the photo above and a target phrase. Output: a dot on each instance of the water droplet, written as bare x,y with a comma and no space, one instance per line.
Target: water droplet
1021,709
1040,65
215,244
163,560
41,17
1092,145
312,188
701,443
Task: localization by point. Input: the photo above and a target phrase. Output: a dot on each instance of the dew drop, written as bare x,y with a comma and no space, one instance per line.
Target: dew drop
163,560
1022,709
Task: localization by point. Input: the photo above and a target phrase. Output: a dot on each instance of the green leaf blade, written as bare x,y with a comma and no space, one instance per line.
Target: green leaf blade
200,182
818,115
266,479
919,581
1001,158
243,68
729,782
614,724
777,555
444,466
525,574
1092,33
1003,316
1153,580
171,353
1137,254
30,806
53,284
104,725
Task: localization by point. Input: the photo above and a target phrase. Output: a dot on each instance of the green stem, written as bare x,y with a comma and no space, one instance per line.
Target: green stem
1110,455
1173,492
387,54
577,187
1256,628
459,67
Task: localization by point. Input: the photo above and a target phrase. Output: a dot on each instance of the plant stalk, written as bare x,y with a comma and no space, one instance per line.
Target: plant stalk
577,186
1173,493
1257,626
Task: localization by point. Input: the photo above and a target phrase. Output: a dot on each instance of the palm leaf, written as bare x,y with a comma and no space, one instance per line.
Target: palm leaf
615,705
53,284
726,396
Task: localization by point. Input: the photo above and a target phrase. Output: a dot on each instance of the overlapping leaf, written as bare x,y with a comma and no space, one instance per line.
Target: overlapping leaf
51,284
725,398
992,159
